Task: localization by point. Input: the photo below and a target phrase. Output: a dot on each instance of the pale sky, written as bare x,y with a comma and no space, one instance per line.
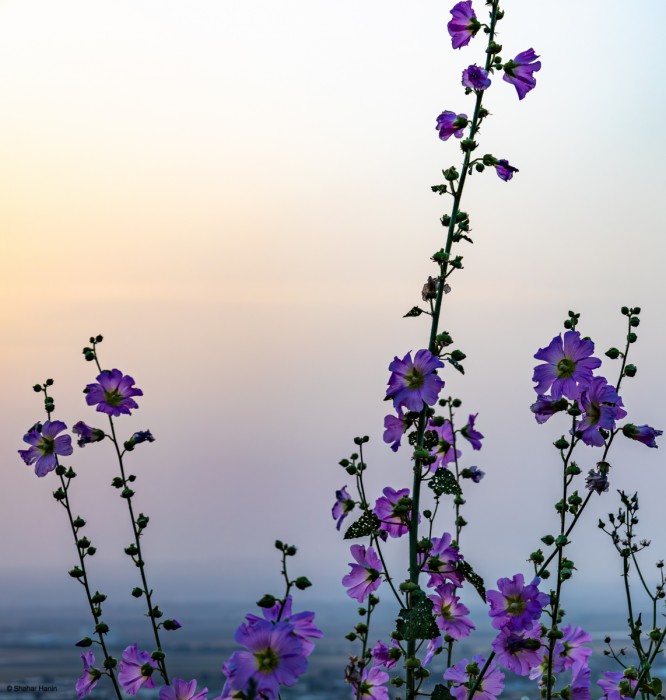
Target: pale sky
237,196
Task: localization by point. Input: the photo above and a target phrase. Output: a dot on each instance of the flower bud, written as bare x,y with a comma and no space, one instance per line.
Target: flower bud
101,628
83,643
267,601
630,370
302,582
137,592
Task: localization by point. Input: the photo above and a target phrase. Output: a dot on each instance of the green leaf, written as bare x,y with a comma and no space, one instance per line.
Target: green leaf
365,526
470,575
418,622
441,692
444,481
457,365
414,311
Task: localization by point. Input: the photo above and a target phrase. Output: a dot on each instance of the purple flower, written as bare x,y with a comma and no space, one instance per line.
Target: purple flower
573,651
372,684
473,473
544,407
610,684
443,450
303,623
381,655
596,481
568,366
519,72
516,605
434,647
181,690
450,612
394,510
475,78
113,393
90,675
364,577
394,429
451,124
490,686
415,384
343,505
441,562
274,658
504,170
470,433
136,669
463,24
642,433
602,407
87,434
580,683
519,651
138,438
45,444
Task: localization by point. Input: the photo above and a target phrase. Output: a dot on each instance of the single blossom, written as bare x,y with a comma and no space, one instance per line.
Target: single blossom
450,612
414,383
580,682
596,481
182,690
381,655
443,450
136,669
441,562
642,433
451,124
90,675
601,406
544,407
87,434
567,368
463,24
519,651
343,505
505,170
610,684
573,651
516,605
365,576
520,72
45,445
475,78
433,648
490,687
394,429
394,511
113,393
473,473
470,433
138,438
373,684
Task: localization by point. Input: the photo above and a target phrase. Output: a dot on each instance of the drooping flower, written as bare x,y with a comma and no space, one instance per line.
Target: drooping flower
642,433
443,450
373,684
91,675
573,651
343,505
274,658
602,407
519,651
596,481
450,612
504,169
463,24
414,383
87,434
544,407
441,562
394,511
568,366
490,686
610,684
473,473
451,124
136,669
182,690
381,655
394,429
470,433
365,576
138,438
113,393
475,78
520,72
45,444
434,647
516,605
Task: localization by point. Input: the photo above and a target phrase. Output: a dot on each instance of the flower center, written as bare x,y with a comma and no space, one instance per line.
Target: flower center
113,397
446,611
515,606
593,413
565,368
267,660
46,446
414,378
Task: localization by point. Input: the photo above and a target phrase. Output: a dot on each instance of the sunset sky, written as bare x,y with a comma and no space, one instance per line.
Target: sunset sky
236,194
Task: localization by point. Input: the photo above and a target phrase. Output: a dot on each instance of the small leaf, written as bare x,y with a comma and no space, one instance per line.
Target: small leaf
414,311
441,692
444,481
418,622
470,575
365,526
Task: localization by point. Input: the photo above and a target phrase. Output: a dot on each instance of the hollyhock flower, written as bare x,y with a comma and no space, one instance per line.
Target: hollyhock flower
542,668
516,605
434,647
573,651
463,24
414,383
519,651
443,450
450,612
364,577
441,561
138,438
473,473
520,72
87,434
596,481
372,684
113,393
451,124
544,407
580,683
343,505
45,444
642,433
610,683
381,656
181,690
274,658
302,622
489,688
394,429
90,675
601,406
475,78
568,366
135,671
469,432
394,511
505,170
